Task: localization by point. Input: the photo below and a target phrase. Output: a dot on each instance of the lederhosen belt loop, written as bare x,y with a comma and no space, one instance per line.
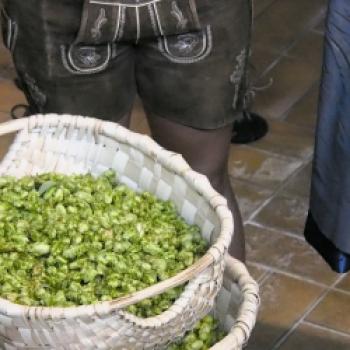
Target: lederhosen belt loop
91,51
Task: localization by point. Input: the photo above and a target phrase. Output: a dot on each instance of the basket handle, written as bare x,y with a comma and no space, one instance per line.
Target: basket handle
161,287
247,313
12,126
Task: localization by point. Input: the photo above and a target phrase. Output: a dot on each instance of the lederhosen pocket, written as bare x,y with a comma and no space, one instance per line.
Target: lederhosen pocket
182,39
187,48
91,51
9,30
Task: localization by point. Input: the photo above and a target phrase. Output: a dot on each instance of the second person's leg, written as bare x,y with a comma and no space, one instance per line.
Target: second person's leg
207,152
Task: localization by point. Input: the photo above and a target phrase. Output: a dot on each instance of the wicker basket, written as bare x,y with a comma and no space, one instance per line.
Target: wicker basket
74,144
236,306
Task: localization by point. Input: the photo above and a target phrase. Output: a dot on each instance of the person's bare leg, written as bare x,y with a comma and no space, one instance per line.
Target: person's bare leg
207,152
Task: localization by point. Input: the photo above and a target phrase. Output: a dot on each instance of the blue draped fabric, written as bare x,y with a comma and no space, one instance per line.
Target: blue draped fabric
328,224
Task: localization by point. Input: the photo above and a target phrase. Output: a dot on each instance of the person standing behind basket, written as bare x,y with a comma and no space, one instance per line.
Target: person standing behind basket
328,223
186,60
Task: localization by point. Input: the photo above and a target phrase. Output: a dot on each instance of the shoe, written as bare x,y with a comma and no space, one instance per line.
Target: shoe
251,127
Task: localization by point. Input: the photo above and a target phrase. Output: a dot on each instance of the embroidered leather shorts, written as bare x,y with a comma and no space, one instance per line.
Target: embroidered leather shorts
185,59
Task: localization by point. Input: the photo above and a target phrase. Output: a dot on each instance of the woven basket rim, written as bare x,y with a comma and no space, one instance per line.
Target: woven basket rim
167,159
239,334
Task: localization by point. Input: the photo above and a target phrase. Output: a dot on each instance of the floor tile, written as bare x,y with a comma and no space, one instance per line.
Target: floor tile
262,58
257,272
5,56
344,284
284,301
285,213
249,196
5,142
261,168
333,312
286,139
261,5
292,78
276,250
320,28
285,20
304,112
9,95
308,337
300,184
309,49
4,117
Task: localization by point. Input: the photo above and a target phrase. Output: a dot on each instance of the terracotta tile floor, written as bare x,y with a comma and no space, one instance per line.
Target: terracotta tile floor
304,304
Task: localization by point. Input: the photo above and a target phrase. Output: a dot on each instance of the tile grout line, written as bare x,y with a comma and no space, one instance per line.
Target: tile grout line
275,230
305,128
286,113
318,31
273,64
247,182
259,208
266,273
296,125
264,10
268,152
274,154
307,313
322,328
284,51
339,290
265,277
304,163
277,191
278,58
290,274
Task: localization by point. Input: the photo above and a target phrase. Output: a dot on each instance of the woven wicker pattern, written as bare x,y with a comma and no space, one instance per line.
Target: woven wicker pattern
236,306
70,144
